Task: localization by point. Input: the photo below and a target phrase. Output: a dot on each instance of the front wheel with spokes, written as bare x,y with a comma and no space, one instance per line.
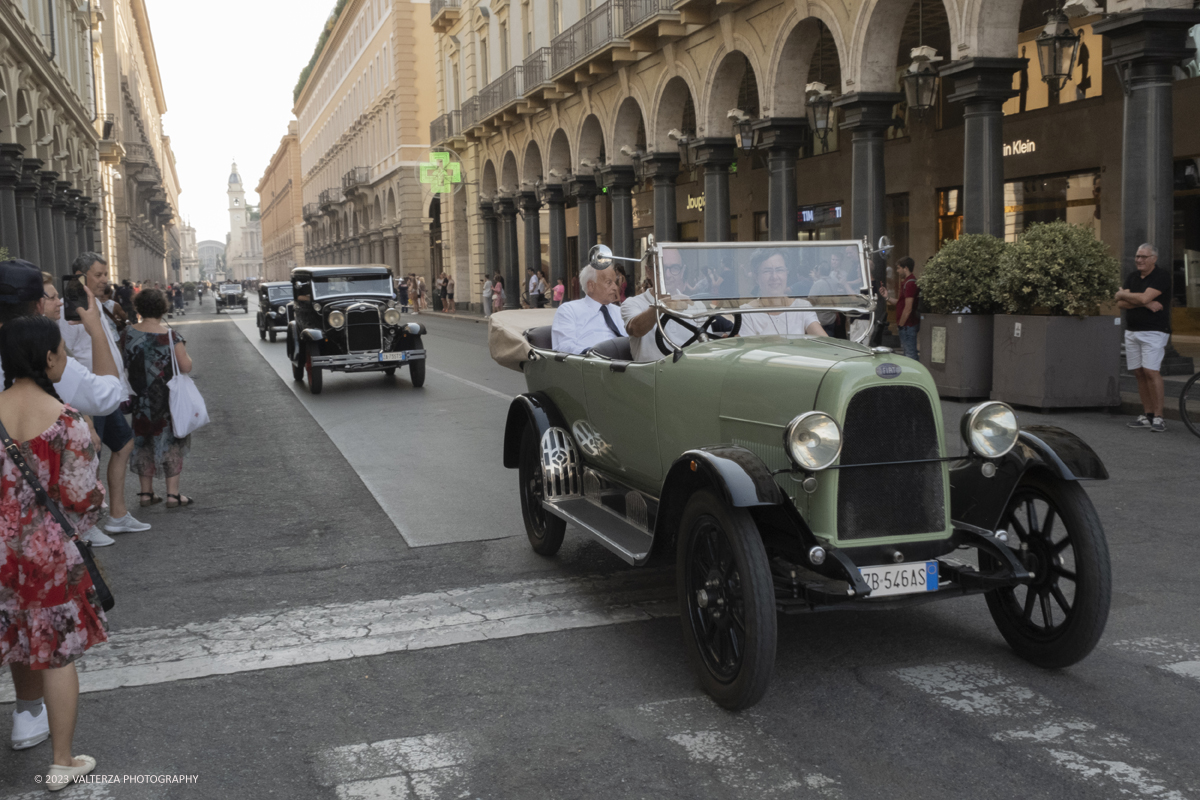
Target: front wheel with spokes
1058,617
726,599
1189,404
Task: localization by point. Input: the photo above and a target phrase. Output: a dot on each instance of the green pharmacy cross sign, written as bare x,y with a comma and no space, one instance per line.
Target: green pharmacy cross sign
440,173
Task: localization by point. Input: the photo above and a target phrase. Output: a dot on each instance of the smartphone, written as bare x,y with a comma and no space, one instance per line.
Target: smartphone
74,297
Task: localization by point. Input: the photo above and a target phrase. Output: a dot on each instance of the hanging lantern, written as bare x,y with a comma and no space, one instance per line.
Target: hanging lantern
921,79
820,110
743,129
1057,46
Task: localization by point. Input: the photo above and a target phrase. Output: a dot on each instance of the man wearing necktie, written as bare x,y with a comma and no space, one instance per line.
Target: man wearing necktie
582,324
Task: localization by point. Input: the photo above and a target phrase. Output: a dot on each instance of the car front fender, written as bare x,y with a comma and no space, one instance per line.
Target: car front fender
739,475
312,335
535,410
980,501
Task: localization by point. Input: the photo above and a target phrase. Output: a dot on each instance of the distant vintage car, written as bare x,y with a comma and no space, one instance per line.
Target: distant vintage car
345,319
273,300
788,472
230,296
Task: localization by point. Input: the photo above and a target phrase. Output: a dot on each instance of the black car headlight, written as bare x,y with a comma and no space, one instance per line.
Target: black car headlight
813,440
990,429
336,319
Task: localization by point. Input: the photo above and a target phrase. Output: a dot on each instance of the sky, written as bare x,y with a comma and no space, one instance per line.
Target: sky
228,68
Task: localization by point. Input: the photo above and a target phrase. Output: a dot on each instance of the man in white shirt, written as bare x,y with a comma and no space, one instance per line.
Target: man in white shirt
113,429
641,318
582,324
535,294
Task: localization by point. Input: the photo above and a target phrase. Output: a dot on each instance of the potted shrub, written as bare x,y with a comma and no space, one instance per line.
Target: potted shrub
958,287
1053,349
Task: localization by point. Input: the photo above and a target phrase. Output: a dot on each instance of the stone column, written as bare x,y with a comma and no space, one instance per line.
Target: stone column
10,176
62,244
491,240
619,180
982,85
391,250
663,169
509,257
71,213
868,116
714,155
27,213
90,233
1146,47
45,218
84,221
376,238
530,212
782,138
556,199
584,189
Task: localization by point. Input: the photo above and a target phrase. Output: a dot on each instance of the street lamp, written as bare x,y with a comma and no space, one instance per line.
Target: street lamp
1057,46
682,142
921,79
743,128
820,110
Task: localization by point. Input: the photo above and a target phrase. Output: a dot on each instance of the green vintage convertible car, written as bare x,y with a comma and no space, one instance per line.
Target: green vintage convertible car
789,472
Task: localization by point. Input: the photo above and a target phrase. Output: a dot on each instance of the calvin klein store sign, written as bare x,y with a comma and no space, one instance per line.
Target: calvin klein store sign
1020,147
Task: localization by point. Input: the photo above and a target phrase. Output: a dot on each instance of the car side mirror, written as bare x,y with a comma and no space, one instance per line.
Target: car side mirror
600,256
885,244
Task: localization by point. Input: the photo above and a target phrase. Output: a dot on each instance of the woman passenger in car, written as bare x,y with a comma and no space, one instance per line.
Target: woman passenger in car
770,272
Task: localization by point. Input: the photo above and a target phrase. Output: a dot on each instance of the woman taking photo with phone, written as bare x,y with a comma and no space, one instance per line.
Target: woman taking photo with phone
49,612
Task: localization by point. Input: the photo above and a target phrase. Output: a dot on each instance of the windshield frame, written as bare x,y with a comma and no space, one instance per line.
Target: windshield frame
320,280
864,310
232,288
284,294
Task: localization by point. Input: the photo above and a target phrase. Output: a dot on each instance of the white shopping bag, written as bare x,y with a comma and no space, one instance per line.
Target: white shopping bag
188,412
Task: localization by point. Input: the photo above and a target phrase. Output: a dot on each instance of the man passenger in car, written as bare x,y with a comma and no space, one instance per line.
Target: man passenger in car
771,274
582,324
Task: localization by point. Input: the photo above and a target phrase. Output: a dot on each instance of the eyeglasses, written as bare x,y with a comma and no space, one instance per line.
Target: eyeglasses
1141,256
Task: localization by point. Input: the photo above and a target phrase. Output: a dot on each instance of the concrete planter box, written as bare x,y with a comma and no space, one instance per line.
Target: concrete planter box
957,351
1056,362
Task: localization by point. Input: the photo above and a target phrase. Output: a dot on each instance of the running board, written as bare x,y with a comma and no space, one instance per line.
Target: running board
628,541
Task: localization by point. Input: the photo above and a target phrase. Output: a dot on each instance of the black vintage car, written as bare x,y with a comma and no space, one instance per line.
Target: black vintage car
230,296
273,299
346,319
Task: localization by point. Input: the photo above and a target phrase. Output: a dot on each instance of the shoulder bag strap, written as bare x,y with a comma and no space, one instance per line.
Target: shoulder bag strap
171,345
14,452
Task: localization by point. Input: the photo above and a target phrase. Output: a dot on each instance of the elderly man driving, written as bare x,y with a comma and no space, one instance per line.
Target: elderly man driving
582,324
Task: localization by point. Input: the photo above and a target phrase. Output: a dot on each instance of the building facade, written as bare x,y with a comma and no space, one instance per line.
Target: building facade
49,132
282,209
140,186
364,113
607,121
212,259
243,243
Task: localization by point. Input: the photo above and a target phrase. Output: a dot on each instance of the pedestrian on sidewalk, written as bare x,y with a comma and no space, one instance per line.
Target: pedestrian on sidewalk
559,290
908,318
1147,331
498,294
421,301
543,288
113,429
147,349
453,309
485,296
49,612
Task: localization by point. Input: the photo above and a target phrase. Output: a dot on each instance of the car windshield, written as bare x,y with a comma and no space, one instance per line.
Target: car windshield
743,278
279,294
335,285
231,289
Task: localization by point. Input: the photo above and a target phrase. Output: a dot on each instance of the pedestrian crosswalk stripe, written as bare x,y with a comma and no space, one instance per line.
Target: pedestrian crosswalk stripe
1175,656
427,767
315,634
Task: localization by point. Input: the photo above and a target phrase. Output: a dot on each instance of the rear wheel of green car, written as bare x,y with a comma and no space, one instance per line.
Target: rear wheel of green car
726,600
545,531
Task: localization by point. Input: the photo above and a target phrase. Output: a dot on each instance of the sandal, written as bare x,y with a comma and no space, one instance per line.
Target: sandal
153,499
179,501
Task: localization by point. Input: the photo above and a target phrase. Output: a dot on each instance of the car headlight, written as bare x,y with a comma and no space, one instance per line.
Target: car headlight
282,310
990,429
391,316
813,440
336,319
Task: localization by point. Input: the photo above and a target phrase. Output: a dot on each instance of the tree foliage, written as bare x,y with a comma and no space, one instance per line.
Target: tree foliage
1058,267
321,40
962,276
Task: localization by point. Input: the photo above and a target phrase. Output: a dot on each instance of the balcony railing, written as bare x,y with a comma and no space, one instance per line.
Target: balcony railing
329,197
437,6
635,12
445,127
137,151
537,69
500,92
311,210
470,113
600,28
357,176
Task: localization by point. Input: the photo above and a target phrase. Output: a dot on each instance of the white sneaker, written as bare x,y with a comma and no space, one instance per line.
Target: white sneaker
125,524
96,538
29,730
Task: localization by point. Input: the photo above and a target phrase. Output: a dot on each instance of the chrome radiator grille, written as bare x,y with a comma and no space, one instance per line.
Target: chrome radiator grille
889,423
362,329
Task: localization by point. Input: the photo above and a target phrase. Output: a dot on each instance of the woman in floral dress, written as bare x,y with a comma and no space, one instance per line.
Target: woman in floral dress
147,352
49,614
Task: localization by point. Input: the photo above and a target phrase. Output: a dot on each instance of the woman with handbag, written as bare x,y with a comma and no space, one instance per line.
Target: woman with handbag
147,348
50,613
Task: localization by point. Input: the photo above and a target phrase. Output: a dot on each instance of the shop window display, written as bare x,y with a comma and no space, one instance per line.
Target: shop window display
1074,198
1186,261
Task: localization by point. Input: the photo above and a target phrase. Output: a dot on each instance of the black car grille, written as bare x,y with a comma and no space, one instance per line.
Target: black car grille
889,423
362,330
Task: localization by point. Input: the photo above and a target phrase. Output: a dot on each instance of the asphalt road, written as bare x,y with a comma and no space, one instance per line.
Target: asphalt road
351,610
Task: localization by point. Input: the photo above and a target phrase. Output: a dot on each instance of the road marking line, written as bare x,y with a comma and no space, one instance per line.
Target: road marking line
315,634
80,791
1180,655
1075,745
472,384
419,767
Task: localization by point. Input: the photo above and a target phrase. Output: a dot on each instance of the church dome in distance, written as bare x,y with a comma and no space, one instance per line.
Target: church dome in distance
233,176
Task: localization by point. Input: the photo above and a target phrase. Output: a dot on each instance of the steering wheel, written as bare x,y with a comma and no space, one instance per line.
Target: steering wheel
704,329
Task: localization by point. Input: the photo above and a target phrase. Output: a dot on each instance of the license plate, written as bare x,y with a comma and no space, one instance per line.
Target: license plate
401,356
911,578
